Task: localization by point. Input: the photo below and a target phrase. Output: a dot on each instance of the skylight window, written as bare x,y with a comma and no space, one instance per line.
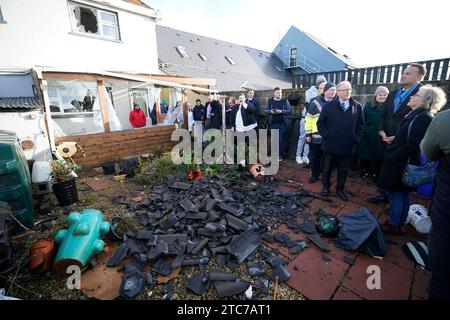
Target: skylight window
203,57
230,60
182,51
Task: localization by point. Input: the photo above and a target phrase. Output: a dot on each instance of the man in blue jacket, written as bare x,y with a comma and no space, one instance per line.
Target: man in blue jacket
277,110
340,125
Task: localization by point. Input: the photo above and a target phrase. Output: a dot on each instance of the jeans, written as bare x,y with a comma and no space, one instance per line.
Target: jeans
302,146
399,207
282,133
342,162
316,160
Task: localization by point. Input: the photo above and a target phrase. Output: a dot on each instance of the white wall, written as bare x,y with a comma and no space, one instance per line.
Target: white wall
28,125
39,33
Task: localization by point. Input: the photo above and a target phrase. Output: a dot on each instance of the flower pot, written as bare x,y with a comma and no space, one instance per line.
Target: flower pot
66,192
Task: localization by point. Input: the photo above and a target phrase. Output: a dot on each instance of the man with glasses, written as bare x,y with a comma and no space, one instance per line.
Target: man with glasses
340,125
395,109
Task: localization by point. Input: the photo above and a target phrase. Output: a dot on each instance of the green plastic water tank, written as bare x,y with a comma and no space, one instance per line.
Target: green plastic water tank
15,180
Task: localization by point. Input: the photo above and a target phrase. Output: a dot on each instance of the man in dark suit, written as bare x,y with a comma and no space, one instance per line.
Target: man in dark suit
255,102
395,109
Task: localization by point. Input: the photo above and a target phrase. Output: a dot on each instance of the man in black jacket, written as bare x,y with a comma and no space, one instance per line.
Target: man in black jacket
340,125
255,102
395,109
277,110
243,116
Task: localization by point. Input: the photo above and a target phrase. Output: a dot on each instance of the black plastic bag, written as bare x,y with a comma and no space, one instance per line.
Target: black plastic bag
360,231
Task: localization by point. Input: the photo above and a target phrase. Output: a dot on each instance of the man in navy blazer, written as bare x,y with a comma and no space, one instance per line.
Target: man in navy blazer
340,125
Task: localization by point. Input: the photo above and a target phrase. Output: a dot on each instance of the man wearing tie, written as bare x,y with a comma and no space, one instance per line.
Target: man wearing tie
395,109
340,125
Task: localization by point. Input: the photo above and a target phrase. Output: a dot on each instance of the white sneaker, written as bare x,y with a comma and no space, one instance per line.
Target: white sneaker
305,160
299,160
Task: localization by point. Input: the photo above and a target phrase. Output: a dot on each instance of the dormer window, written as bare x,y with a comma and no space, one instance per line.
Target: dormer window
182,51
203,57
230,60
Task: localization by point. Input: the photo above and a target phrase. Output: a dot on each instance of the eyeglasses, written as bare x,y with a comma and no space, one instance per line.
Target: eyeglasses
345,90
417,95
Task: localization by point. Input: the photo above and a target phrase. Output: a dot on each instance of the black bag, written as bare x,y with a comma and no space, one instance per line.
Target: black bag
360,231
415,176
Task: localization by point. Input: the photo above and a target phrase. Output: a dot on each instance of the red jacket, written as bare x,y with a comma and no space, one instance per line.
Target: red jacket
137,118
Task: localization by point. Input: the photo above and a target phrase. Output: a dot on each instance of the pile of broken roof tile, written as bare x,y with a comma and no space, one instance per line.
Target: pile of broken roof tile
186,224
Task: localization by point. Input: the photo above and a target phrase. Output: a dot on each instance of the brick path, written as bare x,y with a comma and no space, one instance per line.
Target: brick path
324,276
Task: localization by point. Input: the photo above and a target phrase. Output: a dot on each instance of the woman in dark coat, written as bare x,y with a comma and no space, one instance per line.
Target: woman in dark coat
370,148
396,155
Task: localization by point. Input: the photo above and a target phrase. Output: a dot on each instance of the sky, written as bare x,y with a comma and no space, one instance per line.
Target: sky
370,32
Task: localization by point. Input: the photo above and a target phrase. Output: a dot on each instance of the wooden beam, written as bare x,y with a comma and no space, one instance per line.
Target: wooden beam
185,108
101,94
158,110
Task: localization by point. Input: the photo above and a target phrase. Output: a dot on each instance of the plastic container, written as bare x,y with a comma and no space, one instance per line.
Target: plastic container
419,219
81,240
15,179
41,177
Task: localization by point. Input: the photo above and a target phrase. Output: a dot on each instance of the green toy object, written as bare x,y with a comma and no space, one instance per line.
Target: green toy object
81,240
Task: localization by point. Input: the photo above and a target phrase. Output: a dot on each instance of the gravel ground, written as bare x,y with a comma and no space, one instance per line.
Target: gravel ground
19,283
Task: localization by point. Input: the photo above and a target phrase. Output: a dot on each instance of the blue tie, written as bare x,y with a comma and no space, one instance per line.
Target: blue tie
343,106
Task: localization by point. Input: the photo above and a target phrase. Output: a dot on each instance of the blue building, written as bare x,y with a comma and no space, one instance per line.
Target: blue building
303,53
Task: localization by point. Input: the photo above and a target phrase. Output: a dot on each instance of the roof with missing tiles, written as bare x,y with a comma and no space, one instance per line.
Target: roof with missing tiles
253,68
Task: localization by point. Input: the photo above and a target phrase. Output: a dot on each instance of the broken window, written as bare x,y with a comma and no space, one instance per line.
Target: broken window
140,97
94,21
74,106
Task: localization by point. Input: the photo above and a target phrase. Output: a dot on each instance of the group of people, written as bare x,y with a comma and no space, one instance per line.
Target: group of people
393,130
241,114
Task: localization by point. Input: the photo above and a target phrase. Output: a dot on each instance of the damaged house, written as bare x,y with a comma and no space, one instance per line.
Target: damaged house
89,63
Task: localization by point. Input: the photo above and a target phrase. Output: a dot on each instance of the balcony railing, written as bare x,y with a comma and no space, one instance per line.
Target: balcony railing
301,61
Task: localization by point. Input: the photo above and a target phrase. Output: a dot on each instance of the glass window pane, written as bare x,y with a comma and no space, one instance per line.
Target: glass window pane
110,32
108,17
75,107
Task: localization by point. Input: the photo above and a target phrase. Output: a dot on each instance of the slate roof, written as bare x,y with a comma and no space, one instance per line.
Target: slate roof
259,69
20,103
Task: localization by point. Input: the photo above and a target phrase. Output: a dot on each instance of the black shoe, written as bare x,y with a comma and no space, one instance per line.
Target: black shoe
312,179
325,192
342,195
378,199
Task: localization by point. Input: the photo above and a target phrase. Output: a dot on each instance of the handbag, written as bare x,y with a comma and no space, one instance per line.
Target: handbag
415,176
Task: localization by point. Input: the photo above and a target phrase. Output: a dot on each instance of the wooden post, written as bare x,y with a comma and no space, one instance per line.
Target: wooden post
101,94
158,110
184,103
48,116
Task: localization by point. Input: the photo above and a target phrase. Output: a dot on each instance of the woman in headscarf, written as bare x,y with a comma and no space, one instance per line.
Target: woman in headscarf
370,146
